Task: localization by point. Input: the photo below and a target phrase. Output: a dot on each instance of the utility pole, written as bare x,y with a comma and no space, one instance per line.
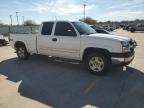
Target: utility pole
23,19
17,18
84,10
11,19
56,18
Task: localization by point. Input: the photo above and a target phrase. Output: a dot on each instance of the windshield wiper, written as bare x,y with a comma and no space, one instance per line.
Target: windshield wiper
87,33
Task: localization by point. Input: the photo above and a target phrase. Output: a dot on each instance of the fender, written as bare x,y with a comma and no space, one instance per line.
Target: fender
90,50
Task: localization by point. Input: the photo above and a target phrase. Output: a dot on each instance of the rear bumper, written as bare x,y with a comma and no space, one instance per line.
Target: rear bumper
122,58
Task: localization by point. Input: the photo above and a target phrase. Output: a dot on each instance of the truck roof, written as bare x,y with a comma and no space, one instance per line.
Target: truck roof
60,21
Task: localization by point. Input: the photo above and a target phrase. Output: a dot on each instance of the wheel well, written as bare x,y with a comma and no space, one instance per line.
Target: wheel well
99,50
19,43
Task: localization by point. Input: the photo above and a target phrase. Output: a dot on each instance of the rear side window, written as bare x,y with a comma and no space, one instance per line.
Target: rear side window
64,29
47,28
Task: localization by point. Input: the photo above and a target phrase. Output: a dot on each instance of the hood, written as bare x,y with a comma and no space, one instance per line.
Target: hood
110,36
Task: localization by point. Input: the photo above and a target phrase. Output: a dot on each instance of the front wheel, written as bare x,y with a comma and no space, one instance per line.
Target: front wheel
22,52
97,63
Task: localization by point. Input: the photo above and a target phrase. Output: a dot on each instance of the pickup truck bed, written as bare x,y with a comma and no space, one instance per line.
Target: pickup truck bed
29,40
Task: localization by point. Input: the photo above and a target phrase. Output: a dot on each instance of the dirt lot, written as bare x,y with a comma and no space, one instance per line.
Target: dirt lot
41,82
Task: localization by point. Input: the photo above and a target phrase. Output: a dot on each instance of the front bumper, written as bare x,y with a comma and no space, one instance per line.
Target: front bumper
125,58
122,58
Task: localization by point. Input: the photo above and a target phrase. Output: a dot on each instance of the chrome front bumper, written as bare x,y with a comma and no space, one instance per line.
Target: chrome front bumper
125,58
122,60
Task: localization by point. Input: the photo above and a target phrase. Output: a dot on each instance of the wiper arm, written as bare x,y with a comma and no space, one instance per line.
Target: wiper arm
88,33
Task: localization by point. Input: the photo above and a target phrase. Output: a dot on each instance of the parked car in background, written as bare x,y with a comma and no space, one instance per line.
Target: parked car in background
124,27
127,27
99,30
3,42
139,27
108,28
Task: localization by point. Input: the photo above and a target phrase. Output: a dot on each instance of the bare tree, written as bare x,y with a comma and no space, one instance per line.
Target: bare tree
88,20
29,23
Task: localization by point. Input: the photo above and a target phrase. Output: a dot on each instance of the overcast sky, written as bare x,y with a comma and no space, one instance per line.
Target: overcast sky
45,10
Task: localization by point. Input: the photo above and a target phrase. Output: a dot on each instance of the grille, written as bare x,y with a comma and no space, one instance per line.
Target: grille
132,45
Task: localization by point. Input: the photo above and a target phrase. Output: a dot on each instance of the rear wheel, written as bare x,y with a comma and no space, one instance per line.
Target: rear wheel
97,63
22,52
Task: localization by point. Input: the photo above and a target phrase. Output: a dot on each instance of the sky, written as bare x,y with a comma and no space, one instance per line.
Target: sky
45,10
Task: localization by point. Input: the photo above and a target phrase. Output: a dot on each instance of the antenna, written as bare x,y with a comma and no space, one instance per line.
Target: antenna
84,10
56,18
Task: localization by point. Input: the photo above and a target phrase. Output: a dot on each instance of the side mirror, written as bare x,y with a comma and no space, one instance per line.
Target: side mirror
71,33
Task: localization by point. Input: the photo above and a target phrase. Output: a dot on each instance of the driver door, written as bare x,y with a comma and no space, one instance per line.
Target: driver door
65,41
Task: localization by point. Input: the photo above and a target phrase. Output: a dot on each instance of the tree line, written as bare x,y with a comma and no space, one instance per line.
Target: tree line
88,20
92,21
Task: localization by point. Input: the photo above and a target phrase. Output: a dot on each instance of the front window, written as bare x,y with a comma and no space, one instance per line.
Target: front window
83,28
64,29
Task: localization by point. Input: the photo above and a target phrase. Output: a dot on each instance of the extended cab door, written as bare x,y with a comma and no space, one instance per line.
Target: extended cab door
44,38
65,41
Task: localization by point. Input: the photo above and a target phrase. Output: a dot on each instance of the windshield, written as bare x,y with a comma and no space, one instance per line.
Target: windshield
83,28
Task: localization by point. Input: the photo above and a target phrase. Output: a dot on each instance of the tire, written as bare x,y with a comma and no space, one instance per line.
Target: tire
22,52
132,30
100,66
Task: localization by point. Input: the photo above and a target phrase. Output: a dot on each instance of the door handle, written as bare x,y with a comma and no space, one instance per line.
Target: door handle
54,39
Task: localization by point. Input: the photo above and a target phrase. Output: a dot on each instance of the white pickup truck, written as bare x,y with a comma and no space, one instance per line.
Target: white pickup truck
75,41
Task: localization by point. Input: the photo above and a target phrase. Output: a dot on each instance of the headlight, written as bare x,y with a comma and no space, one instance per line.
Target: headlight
125,46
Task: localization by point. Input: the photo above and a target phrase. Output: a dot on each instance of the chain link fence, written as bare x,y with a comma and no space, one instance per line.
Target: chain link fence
5,30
